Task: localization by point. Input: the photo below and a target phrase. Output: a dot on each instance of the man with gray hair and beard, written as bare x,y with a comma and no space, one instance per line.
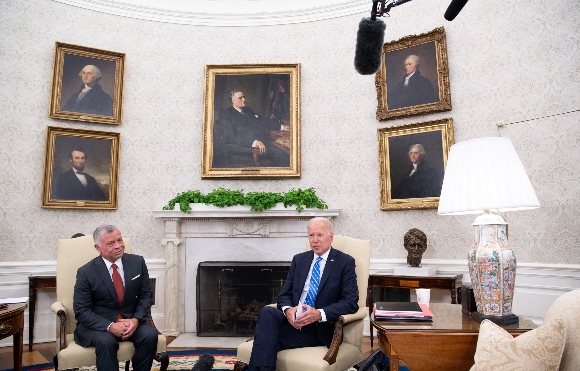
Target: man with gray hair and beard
111,302
90,98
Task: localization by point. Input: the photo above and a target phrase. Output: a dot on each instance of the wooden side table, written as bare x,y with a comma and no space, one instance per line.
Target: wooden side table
12,323
448,343
36,283
436,282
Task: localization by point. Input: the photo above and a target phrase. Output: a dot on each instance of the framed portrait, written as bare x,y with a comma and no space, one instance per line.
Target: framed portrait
413,78
412,160
87,84
251,125
81,169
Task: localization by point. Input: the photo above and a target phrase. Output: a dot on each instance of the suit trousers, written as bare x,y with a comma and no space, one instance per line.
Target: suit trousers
273,333
144,339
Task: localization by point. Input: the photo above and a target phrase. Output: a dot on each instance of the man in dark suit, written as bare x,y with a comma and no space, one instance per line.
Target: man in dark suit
419,180
75,184
90,98
112,299
305,317
413,89
243,128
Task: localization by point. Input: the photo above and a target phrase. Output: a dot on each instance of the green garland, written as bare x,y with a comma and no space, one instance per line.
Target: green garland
258,201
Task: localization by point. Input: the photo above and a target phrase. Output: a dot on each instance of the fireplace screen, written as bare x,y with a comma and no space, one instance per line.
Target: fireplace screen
230,295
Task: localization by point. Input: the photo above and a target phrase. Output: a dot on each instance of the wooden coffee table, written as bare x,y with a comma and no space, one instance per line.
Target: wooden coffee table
448,343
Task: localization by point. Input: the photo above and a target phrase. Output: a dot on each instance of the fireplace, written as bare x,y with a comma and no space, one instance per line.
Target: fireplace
230,295
222,234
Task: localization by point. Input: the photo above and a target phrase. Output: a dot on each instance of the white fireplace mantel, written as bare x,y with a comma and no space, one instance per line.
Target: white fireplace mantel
206,221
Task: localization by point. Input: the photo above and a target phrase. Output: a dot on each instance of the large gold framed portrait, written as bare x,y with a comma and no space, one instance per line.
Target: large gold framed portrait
251,125
413,78
81,169
87,84
412,160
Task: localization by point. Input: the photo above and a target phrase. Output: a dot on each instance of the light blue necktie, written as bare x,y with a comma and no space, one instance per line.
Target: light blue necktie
314,282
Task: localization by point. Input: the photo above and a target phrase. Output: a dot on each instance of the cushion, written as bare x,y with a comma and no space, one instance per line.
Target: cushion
538,349
567,307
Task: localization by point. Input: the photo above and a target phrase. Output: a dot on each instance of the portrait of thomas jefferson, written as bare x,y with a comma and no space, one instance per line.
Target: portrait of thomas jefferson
416,165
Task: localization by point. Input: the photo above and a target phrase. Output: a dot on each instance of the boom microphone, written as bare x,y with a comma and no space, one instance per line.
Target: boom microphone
204,363
454,9
369,46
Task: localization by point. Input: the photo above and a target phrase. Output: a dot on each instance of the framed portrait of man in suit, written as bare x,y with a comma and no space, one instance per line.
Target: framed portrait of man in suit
412,161
413,78
81,169
87,84
251,123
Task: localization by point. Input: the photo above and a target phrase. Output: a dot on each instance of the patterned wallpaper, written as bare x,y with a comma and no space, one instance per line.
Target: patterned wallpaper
509,64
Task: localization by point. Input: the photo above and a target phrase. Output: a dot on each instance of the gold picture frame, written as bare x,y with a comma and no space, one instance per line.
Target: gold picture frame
81,169
427,89
256,132
403,185
87,84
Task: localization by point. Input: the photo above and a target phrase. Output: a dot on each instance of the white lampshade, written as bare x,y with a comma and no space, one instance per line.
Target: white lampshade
485,174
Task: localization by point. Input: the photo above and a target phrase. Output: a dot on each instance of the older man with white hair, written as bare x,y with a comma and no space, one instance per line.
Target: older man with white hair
90,98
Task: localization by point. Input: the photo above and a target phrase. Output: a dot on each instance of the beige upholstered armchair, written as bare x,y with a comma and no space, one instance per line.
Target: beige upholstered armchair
72,254
346,348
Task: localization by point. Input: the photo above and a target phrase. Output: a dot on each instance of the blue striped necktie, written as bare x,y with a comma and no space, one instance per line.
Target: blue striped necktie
314,282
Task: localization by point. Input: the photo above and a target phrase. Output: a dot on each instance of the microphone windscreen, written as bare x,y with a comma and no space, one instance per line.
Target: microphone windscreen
204,363
454,9
369,46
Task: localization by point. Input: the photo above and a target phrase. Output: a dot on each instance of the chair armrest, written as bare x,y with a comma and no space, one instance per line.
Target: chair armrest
341,321
56,306
360,314
60,311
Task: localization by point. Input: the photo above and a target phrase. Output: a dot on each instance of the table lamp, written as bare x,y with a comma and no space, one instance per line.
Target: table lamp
485,175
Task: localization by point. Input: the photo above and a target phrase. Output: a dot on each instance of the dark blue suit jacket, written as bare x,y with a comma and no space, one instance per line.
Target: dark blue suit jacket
337,292
95,301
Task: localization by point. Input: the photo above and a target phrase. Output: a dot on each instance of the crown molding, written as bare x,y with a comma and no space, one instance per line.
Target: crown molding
226,13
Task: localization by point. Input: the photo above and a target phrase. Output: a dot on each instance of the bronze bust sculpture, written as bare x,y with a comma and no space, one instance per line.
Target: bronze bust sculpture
415,242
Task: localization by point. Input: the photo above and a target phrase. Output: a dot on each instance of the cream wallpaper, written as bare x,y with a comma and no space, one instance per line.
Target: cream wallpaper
510,63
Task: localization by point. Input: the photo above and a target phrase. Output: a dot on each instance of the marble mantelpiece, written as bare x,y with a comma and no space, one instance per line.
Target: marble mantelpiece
185,234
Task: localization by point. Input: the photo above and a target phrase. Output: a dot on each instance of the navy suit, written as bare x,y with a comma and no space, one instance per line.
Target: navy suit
337,295
96,306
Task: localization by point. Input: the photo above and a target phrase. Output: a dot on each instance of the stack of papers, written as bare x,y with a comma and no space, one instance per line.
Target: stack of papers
402,312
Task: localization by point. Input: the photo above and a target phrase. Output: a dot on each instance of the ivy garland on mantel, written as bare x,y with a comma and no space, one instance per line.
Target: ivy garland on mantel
258,201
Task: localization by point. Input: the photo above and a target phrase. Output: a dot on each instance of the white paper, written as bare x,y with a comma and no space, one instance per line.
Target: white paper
23,299
299,309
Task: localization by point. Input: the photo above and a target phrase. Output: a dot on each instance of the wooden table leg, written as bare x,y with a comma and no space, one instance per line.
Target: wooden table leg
31,308
370,301
18,339
387,349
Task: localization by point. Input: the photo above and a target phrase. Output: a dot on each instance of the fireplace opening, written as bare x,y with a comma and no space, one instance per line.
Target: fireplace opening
230,295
